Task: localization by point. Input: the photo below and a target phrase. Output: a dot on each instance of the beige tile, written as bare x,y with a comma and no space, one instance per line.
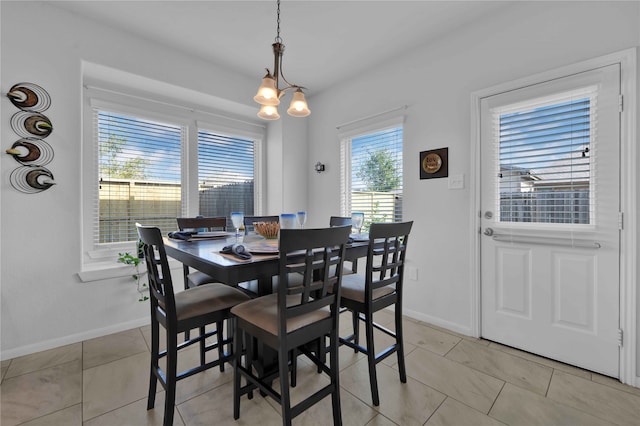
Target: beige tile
71,416
41,392
381,420
408,403
518,371
136,414
112,347
453,333
425,337
4,366
216,407
601,401
614,383
115,384
454,413
44,359
542,360
519,407
473,388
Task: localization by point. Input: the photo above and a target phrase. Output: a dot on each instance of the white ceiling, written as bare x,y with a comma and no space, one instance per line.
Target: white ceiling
326,41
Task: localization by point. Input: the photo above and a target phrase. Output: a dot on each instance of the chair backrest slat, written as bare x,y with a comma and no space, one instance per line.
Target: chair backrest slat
217,223
386,255
340,221
158,271
317,256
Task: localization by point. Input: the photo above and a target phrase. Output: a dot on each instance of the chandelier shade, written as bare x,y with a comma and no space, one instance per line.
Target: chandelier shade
270,92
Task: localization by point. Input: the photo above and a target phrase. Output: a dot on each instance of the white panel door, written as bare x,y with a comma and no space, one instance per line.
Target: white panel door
550,221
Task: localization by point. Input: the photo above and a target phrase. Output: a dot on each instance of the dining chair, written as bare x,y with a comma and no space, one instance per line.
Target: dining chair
339,221
379,288
217,223
294,316
250,220
194,308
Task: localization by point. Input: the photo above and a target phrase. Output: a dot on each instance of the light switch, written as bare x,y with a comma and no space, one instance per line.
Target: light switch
456,182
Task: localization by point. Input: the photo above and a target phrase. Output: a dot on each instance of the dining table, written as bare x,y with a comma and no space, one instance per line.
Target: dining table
204,254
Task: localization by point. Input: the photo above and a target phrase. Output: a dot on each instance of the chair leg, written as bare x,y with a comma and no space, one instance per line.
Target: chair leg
285,397
172,367
185,272
237,358
335,377
220,337
153,379
371,358
294,367
203,346
356,329
400,344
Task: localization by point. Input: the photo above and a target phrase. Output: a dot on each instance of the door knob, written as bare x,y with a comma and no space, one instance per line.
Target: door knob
488,214
488,232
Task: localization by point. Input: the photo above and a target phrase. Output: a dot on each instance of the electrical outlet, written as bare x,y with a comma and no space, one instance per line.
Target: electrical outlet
412,272
456,182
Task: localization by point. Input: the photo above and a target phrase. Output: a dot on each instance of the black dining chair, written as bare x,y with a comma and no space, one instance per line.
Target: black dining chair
339,221
379,287
296,315
194,308
217,223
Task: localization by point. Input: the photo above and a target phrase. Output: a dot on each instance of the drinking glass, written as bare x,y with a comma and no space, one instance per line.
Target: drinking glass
287,221
357,218
302,218
237,218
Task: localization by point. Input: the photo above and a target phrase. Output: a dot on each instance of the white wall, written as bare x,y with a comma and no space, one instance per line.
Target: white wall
43,303
436,82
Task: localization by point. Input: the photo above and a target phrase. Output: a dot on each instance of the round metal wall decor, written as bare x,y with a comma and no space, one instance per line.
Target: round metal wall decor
31,179
31,150
29,97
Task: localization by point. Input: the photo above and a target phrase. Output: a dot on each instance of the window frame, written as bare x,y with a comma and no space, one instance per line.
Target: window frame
103,255
367,126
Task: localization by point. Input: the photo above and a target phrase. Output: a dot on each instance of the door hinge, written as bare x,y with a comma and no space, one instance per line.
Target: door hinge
620,104
620,334
620,221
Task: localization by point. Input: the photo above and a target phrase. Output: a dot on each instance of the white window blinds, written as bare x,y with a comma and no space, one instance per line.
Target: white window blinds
372,175
545,150
139,175
226,174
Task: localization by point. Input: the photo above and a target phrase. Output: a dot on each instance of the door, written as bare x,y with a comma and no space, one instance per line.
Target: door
550,199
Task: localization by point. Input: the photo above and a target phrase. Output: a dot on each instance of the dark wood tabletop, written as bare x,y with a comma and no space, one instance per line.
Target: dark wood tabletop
204,255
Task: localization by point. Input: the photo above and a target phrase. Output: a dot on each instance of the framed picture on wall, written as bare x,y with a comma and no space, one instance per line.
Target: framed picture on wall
434,163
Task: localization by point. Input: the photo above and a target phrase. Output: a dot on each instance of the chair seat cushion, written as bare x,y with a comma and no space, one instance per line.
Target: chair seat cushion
263,313
197,278
353,288
207,298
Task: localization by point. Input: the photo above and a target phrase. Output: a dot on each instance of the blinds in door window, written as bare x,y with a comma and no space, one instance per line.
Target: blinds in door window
139,175
546,151
226,175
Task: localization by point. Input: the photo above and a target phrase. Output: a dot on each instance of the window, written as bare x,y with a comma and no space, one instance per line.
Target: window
371,171
545,157
150,162
139,175
226,173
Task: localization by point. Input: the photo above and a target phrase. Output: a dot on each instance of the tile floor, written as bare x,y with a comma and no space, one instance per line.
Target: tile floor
453,380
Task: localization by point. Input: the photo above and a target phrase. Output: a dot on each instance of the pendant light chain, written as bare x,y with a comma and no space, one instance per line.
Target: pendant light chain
278,38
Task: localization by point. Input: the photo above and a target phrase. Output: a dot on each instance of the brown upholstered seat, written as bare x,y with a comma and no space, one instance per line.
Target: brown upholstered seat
378,288
180,312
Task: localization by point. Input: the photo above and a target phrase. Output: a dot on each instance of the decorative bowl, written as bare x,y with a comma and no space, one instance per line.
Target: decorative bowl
268,230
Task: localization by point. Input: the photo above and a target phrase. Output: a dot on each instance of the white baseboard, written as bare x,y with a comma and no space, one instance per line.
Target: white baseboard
458,328
74,338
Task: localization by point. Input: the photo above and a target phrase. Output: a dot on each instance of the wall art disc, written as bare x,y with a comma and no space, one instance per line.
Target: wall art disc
31,179
28,124
29,97
31,151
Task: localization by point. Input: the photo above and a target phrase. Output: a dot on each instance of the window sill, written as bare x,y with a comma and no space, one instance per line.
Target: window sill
108,270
